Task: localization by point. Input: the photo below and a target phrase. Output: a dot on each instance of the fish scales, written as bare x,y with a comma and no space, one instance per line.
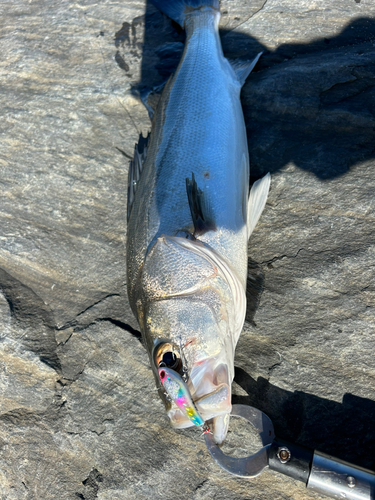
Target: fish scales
201,130
187,249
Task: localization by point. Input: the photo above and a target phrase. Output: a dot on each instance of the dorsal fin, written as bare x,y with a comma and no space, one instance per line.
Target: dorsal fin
199,209
135,169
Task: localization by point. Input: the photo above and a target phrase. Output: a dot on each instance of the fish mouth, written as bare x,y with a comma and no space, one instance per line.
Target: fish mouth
210,390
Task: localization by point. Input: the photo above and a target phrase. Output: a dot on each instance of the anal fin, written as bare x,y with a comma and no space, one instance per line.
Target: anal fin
135,169
198,208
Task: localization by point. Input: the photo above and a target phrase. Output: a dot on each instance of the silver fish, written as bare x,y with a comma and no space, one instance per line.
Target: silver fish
190,217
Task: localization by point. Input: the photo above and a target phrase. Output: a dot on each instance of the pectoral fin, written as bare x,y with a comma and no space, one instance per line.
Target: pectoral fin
199,209
257,201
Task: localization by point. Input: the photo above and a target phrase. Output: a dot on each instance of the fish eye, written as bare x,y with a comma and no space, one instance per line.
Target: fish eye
166,355
169,359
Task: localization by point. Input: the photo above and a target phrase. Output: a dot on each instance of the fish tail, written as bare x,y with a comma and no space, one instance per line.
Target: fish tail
177,9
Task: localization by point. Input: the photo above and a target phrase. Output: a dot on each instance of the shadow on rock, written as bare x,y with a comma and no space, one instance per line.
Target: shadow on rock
344,430
310,104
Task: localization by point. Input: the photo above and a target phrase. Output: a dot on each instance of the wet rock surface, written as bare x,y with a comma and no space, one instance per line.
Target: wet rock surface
79,415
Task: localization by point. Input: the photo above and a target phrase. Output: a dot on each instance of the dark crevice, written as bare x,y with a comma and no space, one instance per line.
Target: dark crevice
93,477
80,372
116,322
52,362
271,368
124,326
98,302
247,19
280,257
74,322
201,484
67,340
124,153
91,485
64,382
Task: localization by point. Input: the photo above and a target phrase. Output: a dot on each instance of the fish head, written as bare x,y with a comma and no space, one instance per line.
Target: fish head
191,325
197,350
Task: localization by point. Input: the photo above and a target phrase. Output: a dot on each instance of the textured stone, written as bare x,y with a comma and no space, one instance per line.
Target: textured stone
79,414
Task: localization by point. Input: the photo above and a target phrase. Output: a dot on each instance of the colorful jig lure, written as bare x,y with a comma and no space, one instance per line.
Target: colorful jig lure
178,391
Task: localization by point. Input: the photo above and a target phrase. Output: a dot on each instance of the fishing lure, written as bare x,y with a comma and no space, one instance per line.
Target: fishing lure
179,392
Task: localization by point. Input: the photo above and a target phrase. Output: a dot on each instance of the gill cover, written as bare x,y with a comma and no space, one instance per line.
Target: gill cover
178,267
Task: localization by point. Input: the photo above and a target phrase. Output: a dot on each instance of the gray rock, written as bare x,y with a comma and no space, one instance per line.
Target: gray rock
79,414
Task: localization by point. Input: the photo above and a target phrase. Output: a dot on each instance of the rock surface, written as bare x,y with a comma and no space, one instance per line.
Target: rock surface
79,415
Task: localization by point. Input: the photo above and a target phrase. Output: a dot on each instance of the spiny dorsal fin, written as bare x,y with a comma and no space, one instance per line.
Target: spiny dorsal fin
198,208
243,68
135,169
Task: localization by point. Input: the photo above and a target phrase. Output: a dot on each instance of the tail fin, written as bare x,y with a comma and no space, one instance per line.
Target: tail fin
177,9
